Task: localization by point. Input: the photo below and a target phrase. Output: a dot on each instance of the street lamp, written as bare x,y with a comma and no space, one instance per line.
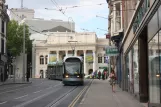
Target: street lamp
73,48
70,18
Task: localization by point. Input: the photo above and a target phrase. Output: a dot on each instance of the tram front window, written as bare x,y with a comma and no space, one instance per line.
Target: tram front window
72,68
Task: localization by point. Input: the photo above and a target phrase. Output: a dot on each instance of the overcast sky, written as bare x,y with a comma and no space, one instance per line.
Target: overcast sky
84,17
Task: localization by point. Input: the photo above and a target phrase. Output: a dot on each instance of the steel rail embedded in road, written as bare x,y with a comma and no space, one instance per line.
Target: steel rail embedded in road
72,104
39,97
61,98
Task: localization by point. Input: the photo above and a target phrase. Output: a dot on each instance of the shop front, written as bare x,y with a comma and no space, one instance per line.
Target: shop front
142,50
154,59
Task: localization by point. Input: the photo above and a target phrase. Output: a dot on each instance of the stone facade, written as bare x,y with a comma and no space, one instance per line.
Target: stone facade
61,44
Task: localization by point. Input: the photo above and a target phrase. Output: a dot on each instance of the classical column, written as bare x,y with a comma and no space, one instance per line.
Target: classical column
33,61
57,55
121,16
75,53
85,62
111,27
66,53
114,17
94,60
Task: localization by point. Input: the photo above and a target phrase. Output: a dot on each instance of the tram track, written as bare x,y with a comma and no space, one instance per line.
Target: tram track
65,95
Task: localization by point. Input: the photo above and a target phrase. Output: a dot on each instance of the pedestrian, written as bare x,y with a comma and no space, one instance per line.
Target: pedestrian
28,75
99,75
113,80
103,76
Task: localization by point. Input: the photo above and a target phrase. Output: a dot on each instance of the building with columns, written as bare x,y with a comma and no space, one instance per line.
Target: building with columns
60,44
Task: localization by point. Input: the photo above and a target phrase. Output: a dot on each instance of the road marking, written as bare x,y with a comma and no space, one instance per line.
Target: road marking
85,95
61,98
21,96
37,91
35,99
3,102
72,104
11,87
21,88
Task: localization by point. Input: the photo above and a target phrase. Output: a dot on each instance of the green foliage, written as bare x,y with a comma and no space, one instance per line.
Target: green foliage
15,38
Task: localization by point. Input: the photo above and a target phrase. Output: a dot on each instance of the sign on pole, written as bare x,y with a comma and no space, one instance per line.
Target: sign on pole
112,51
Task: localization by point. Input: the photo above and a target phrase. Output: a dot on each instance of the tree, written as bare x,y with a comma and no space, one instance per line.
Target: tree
15,38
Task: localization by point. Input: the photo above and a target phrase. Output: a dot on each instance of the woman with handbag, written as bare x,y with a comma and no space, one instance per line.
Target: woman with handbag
113,80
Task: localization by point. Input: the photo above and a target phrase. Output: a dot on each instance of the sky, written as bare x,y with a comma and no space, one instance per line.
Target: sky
84,17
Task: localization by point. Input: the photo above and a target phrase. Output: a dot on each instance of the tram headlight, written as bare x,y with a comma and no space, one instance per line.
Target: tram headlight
66,76
78,76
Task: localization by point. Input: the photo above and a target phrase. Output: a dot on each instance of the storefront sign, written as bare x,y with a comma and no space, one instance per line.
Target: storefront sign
143,9
52,58
112,51
89,58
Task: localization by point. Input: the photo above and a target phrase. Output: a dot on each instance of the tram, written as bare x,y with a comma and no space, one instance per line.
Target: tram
73,73
55,71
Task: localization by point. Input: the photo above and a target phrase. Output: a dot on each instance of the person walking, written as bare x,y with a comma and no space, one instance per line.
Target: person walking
99,75
28,75
113,80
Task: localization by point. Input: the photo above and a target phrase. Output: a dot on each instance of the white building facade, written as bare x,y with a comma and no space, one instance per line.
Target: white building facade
61,44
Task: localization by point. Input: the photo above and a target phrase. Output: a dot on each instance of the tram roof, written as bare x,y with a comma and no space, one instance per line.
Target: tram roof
65,58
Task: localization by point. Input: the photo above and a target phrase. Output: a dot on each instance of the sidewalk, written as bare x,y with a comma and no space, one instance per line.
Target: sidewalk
100,95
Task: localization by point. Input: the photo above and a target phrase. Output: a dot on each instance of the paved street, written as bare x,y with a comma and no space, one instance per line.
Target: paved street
100,95
41,93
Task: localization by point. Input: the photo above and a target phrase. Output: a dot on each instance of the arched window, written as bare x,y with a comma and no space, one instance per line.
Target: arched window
46,59
41,60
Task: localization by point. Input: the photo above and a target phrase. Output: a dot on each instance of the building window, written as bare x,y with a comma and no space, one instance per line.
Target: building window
46,59
105,59
41,60
99,59
2,29
2,45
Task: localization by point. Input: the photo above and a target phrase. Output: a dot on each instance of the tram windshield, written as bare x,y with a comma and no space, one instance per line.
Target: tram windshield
72,67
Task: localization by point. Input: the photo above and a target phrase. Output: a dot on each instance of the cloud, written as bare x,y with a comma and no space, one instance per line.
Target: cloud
84,17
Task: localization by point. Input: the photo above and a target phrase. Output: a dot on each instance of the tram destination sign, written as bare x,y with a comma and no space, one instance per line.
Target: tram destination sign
112,51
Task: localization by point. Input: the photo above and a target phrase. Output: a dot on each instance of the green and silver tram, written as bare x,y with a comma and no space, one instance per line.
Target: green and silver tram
73,73
55,71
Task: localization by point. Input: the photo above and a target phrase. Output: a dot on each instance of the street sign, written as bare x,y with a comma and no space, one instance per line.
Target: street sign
112,51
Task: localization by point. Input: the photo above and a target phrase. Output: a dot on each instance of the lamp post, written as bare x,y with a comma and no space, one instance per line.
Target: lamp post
14,67
70,18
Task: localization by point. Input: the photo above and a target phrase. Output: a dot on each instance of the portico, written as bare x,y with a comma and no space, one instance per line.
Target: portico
57,47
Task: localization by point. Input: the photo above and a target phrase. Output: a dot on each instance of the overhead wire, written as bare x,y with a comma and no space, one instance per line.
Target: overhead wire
60,9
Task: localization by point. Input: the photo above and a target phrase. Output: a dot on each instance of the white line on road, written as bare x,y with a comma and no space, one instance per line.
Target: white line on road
3,102
37,91
19,88
37,98
21,96
11,87
85,96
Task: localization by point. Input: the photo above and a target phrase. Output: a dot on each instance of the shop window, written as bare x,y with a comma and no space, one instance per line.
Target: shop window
150,52
41,60
154,71
135,68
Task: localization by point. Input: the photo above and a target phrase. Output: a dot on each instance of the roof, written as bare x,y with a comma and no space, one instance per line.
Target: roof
58,28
